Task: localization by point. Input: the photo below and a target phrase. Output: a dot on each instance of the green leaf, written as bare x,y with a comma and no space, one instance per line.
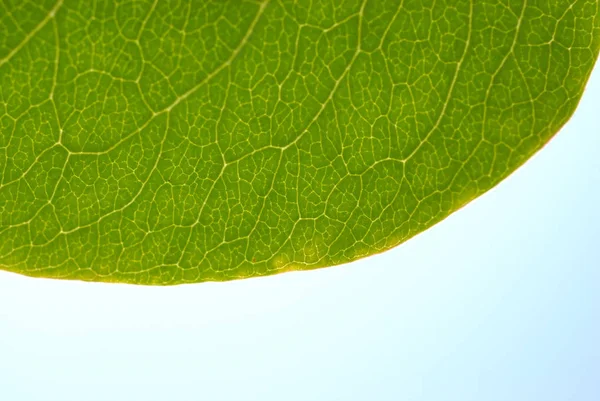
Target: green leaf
165,142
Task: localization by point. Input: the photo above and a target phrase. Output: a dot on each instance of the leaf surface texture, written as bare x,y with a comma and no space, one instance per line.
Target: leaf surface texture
167,142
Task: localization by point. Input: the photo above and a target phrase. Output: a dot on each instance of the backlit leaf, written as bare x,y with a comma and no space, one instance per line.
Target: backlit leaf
165,142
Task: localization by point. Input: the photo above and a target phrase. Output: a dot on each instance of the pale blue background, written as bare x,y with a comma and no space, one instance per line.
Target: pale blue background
499,302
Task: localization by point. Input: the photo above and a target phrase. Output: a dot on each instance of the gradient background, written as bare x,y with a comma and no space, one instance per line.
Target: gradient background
501,301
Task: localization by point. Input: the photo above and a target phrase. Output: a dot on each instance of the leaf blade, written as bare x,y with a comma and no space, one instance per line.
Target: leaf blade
162,143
